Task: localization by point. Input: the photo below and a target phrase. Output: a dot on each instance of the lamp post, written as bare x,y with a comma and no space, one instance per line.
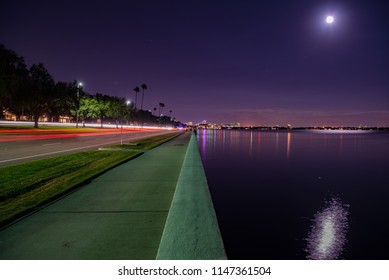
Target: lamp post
128,103
121,127
79,85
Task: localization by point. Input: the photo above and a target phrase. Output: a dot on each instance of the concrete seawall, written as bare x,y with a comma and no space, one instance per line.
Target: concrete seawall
191,230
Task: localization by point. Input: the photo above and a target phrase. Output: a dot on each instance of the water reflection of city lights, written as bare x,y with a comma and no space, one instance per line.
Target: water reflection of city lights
327,237
288,146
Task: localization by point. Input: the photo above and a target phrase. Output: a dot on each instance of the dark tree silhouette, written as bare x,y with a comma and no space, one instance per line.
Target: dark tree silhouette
161,105
62,100
144,86
13,82
32,92
136,95
41,87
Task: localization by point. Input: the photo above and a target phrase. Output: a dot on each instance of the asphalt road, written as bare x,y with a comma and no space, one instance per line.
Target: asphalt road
23,151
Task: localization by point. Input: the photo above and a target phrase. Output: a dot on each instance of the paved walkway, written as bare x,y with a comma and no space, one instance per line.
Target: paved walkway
119,215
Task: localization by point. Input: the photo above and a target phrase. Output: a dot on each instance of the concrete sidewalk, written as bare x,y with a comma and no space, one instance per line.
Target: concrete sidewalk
119,215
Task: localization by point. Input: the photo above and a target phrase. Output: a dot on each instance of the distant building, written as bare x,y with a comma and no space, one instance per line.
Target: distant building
44,118
232,125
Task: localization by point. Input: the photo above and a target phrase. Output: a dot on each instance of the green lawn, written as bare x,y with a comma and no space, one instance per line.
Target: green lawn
26,186
147,143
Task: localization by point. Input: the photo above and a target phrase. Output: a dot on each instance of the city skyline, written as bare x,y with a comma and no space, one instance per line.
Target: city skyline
221,61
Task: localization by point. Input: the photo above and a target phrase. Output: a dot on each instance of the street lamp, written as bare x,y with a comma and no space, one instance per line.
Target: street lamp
128,102
79,85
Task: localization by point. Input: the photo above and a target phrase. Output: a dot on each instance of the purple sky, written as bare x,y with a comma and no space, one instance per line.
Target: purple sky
254,62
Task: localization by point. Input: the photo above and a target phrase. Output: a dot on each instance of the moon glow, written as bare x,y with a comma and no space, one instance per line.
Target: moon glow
329,19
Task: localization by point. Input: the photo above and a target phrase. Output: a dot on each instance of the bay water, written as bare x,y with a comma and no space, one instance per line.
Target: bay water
314,194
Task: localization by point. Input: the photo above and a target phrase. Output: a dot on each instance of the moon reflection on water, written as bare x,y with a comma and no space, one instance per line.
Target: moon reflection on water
327,237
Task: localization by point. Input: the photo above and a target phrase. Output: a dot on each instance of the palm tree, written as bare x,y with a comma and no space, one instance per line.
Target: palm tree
161,105
143,94
170,115
136,94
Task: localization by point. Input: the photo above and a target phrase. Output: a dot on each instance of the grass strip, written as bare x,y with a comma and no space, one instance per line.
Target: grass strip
24,187
146,143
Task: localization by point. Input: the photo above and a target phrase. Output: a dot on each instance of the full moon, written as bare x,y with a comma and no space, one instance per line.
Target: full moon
329,19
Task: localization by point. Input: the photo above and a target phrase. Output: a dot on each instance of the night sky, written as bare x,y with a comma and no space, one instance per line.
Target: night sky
253,62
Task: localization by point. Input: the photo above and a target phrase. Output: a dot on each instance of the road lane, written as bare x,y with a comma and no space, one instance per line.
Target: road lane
51,144
23,151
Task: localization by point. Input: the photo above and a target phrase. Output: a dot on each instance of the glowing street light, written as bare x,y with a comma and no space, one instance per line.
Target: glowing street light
128,102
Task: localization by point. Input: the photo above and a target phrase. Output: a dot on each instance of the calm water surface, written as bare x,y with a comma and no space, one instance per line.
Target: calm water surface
299,194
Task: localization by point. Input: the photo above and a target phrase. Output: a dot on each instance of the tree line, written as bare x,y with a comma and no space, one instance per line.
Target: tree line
32,92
